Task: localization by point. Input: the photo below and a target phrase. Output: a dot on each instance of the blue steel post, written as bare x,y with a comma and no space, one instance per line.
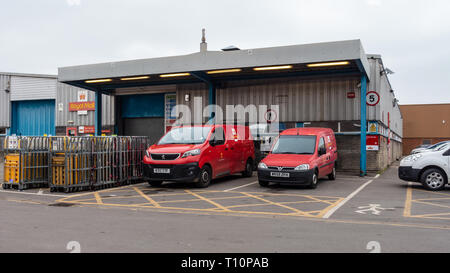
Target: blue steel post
212,99
98,113
363,157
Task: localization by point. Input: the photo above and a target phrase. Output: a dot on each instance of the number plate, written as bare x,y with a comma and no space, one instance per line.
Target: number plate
283,175
161,171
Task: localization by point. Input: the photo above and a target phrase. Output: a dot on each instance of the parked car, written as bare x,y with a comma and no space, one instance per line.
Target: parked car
429,148
199,154
300,157
432,169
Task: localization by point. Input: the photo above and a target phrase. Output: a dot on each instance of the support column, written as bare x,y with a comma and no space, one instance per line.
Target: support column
212,98
98,113
363,157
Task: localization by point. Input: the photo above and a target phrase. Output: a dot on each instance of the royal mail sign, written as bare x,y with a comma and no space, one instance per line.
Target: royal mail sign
82,106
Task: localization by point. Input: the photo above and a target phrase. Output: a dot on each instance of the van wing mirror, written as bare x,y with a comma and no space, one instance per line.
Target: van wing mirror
322,150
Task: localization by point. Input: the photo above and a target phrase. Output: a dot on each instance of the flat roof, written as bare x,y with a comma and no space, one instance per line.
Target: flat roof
351,50
29,75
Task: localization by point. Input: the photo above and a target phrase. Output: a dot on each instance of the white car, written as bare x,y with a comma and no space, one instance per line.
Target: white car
429,148
432,169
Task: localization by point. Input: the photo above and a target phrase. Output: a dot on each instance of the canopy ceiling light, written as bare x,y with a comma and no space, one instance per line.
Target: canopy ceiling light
328,64
224,71
98,81
272,67
175,75
135,78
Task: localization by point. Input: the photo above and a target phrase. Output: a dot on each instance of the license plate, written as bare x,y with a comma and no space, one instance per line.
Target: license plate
283,175
161,171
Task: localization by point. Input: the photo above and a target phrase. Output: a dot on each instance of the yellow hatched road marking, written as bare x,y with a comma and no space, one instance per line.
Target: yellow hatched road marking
277,204
98,198
153,202
208,200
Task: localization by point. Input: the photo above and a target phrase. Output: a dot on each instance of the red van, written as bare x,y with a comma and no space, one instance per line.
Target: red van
199,154
300,156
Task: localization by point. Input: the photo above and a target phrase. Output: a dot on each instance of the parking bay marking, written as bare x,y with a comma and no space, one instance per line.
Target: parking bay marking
409,201
215,201
240,187
348,198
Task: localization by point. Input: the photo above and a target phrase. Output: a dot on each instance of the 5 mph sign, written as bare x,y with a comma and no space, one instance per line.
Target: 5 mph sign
372,98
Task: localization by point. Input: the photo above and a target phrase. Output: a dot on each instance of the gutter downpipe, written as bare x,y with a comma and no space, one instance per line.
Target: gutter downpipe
363,156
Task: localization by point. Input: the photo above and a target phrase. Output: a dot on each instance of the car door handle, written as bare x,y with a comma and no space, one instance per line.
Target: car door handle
226,149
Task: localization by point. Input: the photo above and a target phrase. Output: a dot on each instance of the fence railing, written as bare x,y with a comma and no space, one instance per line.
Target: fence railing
73,163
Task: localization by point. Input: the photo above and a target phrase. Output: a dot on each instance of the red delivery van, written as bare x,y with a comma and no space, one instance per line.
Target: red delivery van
199,154
300,156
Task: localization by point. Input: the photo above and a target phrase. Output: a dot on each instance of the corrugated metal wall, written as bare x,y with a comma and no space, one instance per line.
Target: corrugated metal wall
32,88
308,99
33,117
67,93
4,102
194,90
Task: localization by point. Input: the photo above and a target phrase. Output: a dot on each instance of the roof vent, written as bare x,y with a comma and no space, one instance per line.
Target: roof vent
203,45
230,48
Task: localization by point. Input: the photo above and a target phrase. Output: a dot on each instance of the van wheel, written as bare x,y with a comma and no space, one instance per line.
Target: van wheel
263,183
248,169
205,177
314,181
332,175
433,180
155,183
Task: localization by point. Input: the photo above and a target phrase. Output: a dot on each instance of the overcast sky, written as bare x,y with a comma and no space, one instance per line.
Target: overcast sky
413,37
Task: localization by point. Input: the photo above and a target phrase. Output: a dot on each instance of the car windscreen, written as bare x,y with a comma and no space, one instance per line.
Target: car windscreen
186,135
295,145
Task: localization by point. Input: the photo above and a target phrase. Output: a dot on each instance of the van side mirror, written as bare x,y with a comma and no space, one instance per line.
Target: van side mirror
322,151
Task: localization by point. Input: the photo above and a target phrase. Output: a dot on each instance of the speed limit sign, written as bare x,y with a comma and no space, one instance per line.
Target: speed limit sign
373,98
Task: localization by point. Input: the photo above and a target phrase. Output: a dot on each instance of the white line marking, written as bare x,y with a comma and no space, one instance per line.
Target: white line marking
34,193
241,186
333,210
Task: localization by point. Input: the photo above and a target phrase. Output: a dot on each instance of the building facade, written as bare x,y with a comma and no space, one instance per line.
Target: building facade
37,105
425,124
335,85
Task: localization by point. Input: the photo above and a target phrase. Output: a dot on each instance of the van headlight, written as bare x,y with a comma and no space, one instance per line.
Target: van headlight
262,166
303,167
147,154
412,158
191,153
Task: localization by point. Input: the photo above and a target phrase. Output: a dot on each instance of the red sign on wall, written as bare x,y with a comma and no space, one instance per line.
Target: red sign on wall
373,143
86,129
82,106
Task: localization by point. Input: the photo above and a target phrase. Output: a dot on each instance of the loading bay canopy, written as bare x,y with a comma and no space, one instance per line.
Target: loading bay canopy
213,67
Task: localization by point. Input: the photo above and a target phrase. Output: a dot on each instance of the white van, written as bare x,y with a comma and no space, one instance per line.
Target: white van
432,169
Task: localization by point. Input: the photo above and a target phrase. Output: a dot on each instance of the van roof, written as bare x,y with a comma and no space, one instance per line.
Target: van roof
305,131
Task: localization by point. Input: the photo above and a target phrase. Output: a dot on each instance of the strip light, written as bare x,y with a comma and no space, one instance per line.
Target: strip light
328,64
272,68
224,71
175,75
97,81
135,78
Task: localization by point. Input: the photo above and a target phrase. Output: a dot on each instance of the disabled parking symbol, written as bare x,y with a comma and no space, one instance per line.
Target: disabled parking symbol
374,209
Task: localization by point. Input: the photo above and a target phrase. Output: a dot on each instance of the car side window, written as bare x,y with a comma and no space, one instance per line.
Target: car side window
321,143
218,136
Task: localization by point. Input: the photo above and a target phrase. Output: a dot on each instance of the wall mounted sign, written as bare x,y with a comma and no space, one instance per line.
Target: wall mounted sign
373,143
373,127
82,106
86,129
373,98
351,95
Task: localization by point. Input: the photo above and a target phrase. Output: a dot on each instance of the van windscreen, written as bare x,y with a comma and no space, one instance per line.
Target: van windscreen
303,145
186,135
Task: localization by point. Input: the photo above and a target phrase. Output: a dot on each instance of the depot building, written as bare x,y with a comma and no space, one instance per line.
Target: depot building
334,85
